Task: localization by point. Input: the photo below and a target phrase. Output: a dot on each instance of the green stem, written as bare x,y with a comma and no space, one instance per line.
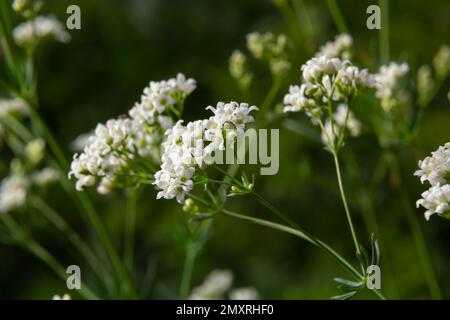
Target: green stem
419,239
369,215
337,16
41,253
301,234
54,218
130,228
271,95
384,31
421,247
191,254
344,200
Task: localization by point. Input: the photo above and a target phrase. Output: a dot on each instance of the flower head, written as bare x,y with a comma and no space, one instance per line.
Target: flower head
436,170
30,32
193,145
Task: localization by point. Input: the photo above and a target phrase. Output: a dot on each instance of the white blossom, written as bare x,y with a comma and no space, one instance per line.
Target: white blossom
441,61
189,146
63,297
339,48
387,83
120,151
436,169
246,293
435,200
45,176
13,192
12,107
214,286
28,33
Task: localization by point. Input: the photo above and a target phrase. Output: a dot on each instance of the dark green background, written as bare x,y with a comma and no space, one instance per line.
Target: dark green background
124,44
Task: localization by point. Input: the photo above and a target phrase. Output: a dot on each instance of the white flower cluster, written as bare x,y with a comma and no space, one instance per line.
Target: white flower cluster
436,170
161,96
270,47
217,283
12,107
328,79
343,117
65,296
194,144
339,48
387,84
441,61
30,32
266,44
117,151
13,192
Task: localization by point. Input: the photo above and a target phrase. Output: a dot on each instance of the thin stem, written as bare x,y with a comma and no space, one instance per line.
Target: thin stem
379,294
191,254
421,247
384,31
130,228
344,200
337,16
54,218
41,253
270,97
301,234
419,238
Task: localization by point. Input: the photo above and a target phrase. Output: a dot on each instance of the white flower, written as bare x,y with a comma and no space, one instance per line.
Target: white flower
436,169
30,32
435,200
13,193
342,117
12,106
35,151
387,83
247,293
191,146
120,148
159,96
339,48
214,286
45,176
441,61
64,297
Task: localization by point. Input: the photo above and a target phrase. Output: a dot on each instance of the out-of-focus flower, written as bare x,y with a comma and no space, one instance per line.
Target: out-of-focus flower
35,151
271,48
238,69
387,84
247,293
44,177
343,117
63,297
30,32
12,107
13,193
214,287
425,84
441,62
339,48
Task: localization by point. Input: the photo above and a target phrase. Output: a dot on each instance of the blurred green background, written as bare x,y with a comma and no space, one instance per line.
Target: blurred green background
124,44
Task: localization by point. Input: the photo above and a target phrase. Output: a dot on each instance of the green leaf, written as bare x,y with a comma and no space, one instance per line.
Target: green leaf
348,283
345,296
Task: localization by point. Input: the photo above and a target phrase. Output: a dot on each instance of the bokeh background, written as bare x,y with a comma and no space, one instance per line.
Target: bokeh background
124,44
